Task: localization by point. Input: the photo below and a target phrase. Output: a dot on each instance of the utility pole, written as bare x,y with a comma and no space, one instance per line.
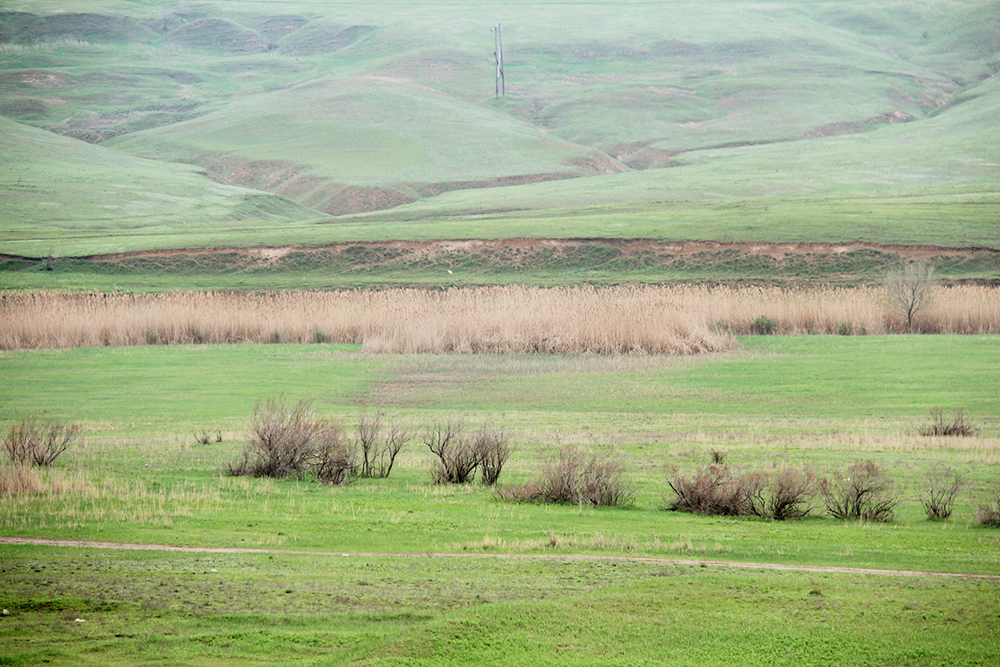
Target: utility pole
501,83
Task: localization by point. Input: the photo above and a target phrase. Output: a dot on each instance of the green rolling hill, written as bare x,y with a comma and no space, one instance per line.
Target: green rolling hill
307,123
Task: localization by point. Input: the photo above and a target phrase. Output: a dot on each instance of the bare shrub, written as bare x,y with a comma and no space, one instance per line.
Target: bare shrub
716,490
791,494
988,513
940,490
719,490
494,448
380,445
862,492
959,425
603,482
575,477
457,454
289,441
30,443
281,440
335,458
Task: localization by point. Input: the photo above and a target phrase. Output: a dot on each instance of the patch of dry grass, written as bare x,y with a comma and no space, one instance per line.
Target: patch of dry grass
606,320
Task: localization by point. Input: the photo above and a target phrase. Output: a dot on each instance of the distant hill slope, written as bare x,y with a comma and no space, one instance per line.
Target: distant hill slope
788,120
92,198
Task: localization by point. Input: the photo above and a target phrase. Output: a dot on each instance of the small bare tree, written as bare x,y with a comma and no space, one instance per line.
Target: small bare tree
458,456
940,491
910,290
573,477
378,449
335,458
30,443
494,448
862,492
791,494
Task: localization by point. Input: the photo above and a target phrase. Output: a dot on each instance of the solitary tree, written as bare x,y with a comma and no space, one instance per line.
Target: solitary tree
910,289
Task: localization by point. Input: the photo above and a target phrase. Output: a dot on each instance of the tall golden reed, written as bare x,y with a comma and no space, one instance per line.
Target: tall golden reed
630,319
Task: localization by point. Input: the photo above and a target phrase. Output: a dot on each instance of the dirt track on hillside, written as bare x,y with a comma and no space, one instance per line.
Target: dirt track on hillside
88,544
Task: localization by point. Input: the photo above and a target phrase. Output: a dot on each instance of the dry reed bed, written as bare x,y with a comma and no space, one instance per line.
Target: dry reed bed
633,319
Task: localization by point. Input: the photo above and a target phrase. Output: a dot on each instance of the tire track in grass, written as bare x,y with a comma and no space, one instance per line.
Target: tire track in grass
90,544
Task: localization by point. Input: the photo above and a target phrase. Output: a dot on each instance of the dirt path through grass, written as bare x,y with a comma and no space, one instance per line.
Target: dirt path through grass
89,544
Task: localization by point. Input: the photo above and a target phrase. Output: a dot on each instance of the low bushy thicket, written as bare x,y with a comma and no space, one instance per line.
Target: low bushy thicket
988,513
460,456
289,441
958,425
575,476
862,492
380,443
941,488
720,490
29,442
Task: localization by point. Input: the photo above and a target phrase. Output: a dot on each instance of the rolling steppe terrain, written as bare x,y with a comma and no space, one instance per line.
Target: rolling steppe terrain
129,127
661,255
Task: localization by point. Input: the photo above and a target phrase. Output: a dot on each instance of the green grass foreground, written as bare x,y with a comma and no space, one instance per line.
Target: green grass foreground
148,608
138,476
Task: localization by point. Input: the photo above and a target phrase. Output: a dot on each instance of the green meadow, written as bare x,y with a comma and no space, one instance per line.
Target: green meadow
402,571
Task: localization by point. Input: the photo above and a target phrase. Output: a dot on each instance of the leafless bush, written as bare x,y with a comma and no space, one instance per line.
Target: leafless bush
380,444
719,490
282,440
959,425
203,437
575,477
791,494
494,448
716,491
458,456
940,491
603,482
289,441
334,459
987,513
30,443
862,492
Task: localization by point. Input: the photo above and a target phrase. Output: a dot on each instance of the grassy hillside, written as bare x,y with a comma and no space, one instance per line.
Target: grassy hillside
93,198
783,121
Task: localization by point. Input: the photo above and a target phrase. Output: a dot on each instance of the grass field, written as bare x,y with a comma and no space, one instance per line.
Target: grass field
138,476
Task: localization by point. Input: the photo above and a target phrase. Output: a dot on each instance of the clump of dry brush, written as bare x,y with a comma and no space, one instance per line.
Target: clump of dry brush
290,441
578,477
720,490
461,455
